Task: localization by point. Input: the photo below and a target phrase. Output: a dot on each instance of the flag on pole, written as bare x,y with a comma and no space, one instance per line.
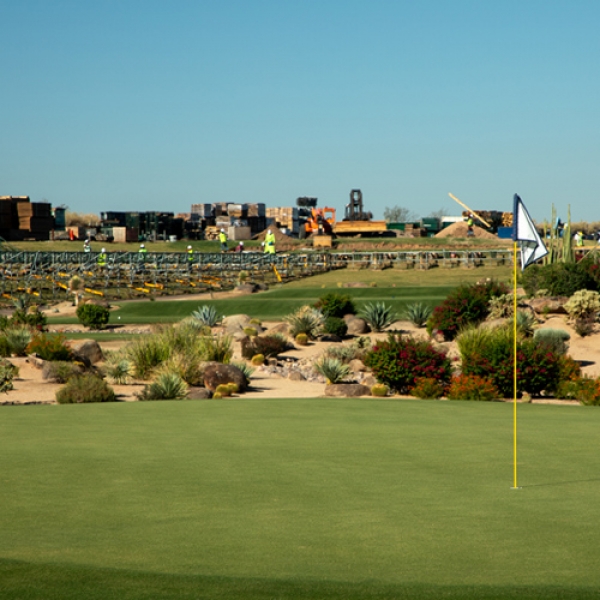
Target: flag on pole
525,233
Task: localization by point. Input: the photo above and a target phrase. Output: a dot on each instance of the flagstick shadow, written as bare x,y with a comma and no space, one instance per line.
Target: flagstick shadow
559,483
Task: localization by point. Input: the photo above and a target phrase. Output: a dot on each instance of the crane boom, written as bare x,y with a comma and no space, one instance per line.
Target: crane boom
470,210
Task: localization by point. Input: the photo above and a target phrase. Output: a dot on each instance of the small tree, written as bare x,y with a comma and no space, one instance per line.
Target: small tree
398,214
93,316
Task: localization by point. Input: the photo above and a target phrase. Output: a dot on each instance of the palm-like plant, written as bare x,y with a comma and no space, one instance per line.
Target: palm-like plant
306,320
168,386
378,315
119,370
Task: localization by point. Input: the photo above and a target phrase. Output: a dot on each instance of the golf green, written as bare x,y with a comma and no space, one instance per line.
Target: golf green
298,499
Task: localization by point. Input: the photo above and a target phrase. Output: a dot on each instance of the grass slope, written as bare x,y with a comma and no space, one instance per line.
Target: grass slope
298,499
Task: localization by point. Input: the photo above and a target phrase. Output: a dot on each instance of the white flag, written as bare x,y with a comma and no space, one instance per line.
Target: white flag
524,232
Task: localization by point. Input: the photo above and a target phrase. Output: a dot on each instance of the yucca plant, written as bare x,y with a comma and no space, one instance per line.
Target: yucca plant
147,353
417,313
185,364
168,386
525,323
378,315
306,320
334,370
216,348
207,315
119,370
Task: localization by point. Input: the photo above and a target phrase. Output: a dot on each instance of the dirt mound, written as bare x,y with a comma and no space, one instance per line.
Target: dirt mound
460,230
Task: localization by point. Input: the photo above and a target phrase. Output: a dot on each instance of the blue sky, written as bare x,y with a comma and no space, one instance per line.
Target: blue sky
155,105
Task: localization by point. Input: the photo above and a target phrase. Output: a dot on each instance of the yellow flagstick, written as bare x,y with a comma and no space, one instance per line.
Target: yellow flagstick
515,486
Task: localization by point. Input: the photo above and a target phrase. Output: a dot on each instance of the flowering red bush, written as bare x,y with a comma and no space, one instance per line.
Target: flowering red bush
400,361
472,387
465,305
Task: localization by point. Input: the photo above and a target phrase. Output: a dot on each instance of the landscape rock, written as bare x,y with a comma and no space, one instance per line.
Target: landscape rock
330,337
235,323
217,373
357,365
347,390
247,288
35,361
356,325
549,306
296,376
87,351
369,381
199,393
283,328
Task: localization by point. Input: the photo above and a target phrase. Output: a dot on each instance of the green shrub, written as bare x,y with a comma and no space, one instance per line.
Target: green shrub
501,307
207,315
525,323
216,348
378,315
335,326
427,388
8,372
61,371
269,346
93,316
335,305
184,364
465,305
399,361
558,279
583,304
50,347
538,367
347,352
554,339
85,388
31,318
417,313
472,387
585,389
5,349
306,320
168,386
332,369
118,369
145,354
18,339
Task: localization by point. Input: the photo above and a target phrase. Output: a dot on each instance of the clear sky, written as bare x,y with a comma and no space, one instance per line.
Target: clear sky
155,105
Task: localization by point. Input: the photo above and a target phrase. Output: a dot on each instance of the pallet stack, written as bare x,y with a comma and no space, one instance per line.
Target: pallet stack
22,219
284,217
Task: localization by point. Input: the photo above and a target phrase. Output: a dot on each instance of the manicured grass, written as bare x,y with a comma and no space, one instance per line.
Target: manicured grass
298,499
273,304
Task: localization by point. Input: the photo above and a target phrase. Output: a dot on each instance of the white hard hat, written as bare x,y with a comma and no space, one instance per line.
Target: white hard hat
103,249
189,247
241,243
222,230
142,246
269,231
262,244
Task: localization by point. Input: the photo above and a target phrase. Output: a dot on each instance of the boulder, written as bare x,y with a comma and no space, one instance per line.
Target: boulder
296,376
235,323
356,325
199,393
330,337
217,373
247,288
357,365
347,390
283,328
369,381
549,306
87,351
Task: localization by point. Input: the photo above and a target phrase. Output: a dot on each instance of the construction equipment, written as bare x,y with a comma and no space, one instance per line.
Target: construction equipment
357,221
478,217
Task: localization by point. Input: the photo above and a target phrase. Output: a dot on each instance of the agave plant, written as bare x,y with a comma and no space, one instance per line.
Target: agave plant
417,313
185,364
334,370
168,386
207,315
378,315
119,370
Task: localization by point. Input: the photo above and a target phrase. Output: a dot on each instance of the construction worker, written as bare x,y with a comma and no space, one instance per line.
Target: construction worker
142,255
239,247
223,240
270,244
190,257
470,224
102,259
87,248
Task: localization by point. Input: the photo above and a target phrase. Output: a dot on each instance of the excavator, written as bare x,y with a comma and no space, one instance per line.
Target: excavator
317,221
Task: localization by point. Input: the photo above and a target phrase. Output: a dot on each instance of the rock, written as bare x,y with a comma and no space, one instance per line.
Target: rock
369,381
549,306
35,361
356,325
357,365
296,376
347,390
272,361
247,288
87,351
235,323
199,393
217,373
283,328
330,337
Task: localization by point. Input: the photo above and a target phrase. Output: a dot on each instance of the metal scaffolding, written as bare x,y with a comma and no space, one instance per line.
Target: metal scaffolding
49,275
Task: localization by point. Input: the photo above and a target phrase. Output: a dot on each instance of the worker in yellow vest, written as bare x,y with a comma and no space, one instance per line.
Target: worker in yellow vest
270,244
223,240
190,257
102,259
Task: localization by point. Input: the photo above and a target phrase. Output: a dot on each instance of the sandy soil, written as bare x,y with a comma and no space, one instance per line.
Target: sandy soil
30,388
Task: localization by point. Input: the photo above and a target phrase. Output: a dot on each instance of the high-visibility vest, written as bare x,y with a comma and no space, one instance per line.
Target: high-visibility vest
222,237
101,260
190,255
